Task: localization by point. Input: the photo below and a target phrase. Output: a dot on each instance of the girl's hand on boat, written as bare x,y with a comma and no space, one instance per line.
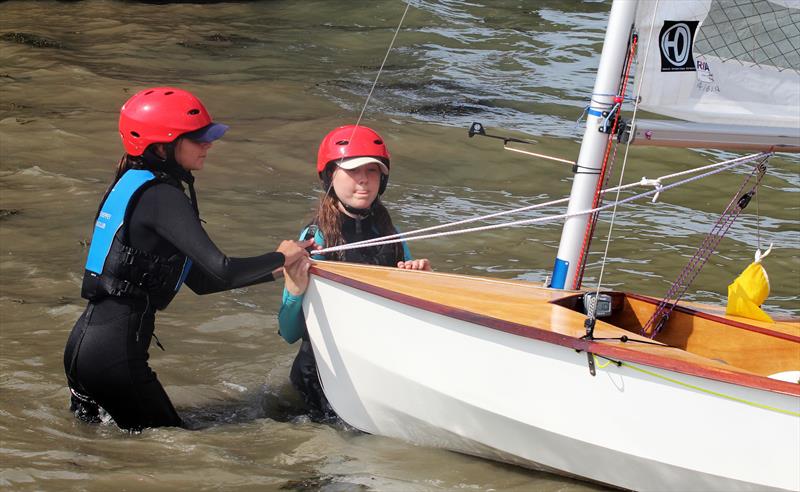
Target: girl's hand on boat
421,264
296,276
294,251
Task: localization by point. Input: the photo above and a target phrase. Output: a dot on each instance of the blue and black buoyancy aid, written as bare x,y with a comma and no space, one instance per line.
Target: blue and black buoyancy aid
113,267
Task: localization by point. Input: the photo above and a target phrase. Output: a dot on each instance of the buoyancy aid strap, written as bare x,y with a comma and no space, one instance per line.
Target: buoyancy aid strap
312,230
112,215
152,267
119,287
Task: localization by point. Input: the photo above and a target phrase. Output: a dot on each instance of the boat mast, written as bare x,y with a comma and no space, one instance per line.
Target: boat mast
594,142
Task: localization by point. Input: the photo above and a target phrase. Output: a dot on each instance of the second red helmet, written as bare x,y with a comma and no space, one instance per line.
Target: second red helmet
162,114
350,141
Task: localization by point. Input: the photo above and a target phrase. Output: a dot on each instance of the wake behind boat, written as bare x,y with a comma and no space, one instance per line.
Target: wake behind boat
610,386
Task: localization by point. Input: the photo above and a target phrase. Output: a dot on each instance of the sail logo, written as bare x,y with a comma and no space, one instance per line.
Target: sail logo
676,40
705,77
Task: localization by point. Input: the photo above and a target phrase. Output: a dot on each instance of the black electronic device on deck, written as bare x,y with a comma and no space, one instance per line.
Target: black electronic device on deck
603,302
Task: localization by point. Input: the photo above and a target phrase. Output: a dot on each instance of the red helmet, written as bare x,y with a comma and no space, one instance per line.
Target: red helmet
347,142
351,141
160,115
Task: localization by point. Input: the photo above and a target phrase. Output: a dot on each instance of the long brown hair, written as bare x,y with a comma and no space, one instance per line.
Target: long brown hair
329,221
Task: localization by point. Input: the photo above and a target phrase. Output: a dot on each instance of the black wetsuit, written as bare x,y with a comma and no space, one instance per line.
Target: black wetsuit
107,351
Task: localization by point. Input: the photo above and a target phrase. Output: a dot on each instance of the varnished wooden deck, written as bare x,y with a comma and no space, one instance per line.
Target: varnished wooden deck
532,311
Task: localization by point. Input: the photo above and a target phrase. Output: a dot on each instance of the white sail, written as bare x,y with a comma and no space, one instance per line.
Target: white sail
733,62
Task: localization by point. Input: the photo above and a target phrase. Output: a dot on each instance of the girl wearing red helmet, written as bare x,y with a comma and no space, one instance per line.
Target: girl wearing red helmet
353,165
148,240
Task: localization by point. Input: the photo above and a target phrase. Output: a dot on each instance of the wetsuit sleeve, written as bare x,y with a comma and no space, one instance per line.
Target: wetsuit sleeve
291,322
169,213
406,252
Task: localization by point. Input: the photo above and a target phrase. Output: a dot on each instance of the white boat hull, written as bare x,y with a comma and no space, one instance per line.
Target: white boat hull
400,371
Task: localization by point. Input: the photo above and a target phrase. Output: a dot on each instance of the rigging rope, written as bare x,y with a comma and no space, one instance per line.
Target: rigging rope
380,70
657,190
656,183
739,201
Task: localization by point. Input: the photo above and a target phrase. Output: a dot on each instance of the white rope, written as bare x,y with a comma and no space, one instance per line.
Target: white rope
656,183
386,240
375,82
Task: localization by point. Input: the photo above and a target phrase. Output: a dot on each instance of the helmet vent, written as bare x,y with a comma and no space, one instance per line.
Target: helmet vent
148,93
194,111
378,142
135,134
342,142
169,93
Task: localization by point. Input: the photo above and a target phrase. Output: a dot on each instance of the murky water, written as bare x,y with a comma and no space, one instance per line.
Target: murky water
282,73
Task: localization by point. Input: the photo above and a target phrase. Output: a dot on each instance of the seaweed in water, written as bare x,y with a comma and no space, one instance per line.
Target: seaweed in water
218,40
30,40
447,109
236,39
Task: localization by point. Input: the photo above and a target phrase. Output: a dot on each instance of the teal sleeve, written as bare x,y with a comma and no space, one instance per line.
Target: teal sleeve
291,321
406,252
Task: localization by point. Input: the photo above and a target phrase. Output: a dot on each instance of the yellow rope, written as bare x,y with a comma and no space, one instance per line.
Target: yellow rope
703,390
602,366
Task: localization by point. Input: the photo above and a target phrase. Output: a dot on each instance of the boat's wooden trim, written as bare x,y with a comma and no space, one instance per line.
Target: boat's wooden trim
677,360
453,312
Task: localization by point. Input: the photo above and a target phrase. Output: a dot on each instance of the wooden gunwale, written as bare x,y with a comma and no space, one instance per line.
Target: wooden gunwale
636,354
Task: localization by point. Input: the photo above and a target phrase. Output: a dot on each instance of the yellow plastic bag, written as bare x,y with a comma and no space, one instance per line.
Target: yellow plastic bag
749,290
